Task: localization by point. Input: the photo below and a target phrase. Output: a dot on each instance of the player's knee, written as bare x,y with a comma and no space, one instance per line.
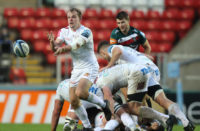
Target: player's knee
82,94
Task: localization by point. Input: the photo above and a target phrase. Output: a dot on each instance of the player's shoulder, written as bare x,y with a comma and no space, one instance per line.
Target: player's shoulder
64,29
115,31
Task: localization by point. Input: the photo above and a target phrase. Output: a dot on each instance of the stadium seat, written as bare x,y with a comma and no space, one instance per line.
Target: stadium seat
90,14
43,23
106,24
92,24
26,12
58,13
17,75
187,14
184,25
152,36
170,14
39,46
10,12
13,22
172,3
25,24
152,14
139,24
166,36
39,35
135,14
26,34
187,3
43,12
47,49
168,25
106,14
51,58
153,25
164,47
103,35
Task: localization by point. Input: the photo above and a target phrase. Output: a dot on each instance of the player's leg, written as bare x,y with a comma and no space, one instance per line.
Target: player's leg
71,120
82,92
78,108
157,93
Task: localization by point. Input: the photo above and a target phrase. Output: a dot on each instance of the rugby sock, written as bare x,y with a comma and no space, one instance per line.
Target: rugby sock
146,112
128,121
82,114
176,111
111,125
96,100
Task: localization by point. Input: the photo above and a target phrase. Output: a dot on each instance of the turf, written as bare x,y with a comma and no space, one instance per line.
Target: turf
47,127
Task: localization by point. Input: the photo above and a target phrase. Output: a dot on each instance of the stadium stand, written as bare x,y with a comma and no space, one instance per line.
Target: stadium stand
163,21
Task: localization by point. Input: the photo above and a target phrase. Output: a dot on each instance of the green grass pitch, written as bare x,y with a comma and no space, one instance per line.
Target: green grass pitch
47,127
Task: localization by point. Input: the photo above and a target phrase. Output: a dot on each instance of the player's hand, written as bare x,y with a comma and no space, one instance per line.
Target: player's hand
59,50
51,39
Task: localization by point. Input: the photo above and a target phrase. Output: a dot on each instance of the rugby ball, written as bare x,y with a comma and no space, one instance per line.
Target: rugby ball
21,48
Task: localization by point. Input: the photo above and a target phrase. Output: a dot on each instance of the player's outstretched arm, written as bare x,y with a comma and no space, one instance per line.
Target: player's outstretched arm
56,114
147,47
53,43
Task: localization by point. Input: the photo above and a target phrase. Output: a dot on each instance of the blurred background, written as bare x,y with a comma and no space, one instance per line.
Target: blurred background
171,26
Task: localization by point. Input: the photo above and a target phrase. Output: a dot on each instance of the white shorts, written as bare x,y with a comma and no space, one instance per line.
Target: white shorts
137,80
88,73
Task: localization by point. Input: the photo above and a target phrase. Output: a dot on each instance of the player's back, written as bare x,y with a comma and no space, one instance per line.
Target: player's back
130,55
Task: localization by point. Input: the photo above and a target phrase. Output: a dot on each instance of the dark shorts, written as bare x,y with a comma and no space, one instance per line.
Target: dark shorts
152,90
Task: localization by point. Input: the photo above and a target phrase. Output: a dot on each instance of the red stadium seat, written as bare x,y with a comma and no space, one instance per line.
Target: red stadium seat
44,23
172,3
197,4
187,3
152,35
167,36
27,12
39,35
184,25
47,49
17,75
139,24
90,13
10,12
103,35
106,14
187,14
58,13
170,14
13,22
137,15
153,25
51,58
39,46
106,24
43,12
92,24
152,14
24,24
26,34
168,25
164,47
66,70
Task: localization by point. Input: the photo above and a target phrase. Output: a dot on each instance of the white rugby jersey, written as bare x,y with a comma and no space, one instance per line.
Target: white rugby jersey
62,93
84,56
130,55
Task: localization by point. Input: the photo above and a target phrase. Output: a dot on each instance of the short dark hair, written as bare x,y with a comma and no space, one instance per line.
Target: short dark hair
78,12
102,44
122,15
